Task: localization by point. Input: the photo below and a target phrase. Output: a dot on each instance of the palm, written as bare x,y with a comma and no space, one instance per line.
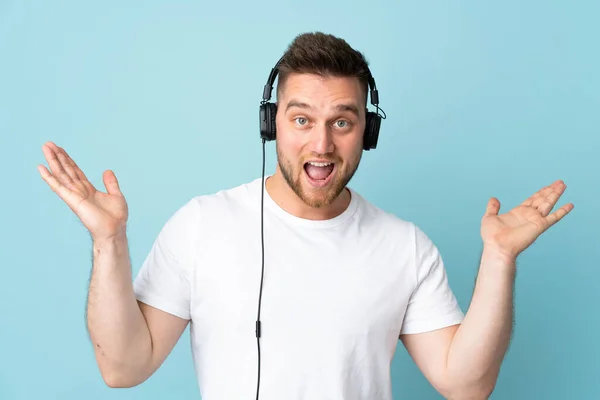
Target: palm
517,229
103,214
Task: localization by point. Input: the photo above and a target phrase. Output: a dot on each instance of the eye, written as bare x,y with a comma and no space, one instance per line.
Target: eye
301,121
342,123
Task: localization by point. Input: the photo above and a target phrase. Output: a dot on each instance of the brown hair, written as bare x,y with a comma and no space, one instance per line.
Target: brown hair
325,55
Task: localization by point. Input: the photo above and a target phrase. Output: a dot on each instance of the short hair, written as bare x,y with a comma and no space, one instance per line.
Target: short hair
325,55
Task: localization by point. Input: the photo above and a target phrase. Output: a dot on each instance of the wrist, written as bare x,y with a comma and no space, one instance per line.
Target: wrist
494,257
495,252
110,251
116,239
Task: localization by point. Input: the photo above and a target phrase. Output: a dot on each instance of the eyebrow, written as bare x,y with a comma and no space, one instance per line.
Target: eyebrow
347,107
298,104
340,107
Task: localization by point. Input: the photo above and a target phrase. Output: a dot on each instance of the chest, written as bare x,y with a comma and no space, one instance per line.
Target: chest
313,284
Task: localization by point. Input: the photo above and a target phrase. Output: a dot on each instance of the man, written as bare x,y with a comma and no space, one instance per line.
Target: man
343,280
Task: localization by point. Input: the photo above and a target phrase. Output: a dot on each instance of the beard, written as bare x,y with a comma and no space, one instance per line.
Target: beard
318,197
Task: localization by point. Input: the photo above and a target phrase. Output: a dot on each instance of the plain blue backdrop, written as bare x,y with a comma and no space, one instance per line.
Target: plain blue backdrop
483,99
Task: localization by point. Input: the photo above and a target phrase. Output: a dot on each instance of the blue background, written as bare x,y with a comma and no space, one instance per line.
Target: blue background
483,99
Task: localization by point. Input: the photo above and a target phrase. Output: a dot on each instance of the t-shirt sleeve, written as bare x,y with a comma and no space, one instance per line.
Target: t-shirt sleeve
164,279
432,304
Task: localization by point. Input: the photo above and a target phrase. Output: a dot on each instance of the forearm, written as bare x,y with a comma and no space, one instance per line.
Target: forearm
480,343
117,327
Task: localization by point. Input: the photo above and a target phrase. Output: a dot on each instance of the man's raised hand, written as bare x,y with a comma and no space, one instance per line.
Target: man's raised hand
514,231
103,214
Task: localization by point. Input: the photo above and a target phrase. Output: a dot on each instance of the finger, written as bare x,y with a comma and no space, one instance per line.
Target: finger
540,194
559,214
58,171
111,183
546,204
535,196
557,186
78,172
64,161
62,191
493,207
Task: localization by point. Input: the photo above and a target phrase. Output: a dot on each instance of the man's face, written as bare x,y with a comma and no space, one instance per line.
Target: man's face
320,126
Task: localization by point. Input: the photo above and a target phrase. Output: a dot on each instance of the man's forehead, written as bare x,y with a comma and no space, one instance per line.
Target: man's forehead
315,91
322,81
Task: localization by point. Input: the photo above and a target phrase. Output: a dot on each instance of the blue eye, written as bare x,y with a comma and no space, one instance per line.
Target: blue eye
301,121
344,123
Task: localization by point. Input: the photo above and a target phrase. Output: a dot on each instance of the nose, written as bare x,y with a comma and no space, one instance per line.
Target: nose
322,139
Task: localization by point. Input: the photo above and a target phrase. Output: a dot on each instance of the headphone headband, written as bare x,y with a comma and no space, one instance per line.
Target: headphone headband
268,89
271,80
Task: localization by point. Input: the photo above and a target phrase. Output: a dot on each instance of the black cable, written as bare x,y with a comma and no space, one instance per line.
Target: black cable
262,200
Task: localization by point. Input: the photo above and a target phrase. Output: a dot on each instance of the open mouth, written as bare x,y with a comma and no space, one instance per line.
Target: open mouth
319,173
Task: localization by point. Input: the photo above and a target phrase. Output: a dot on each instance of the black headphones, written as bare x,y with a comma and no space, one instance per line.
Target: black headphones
269,110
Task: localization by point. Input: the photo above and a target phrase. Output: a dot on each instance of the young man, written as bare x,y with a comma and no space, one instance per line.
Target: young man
343,280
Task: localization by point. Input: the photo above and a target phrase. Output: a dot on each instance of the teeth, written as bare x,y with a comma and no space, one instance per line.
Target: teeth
319,164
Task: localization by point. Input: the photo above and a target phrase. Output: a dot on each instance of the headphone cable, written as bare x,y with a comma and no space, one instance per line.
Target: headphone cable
258,326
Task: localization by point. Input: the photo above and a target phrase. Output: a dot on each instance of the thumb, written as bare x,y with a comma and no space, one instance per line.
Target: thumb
110,182
493,207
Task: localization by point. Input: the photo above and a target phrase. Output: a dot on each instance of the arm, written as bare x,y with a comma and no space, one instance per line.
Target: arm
463,361
131,339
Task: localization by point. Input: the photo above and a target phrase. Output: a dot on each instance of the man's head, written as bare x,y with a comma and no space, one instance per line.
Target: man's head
321,111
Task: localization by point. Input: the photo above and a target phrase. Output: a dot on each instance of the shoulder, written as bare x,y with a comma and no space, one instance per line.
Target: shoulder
203,215
218,206
383,220
404,232
227,200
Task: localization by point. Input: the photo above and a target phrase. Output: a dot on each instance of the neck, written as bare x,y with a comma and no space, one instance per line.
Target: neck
283,195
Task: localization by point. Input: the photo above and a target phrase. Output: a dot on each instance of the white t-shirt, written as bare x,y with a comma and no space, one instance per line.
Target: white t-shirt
337,294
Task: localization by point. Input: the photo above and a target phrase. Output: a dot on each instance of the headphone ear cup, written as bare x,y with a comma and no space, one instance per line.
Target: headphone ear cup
268,111
371,136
